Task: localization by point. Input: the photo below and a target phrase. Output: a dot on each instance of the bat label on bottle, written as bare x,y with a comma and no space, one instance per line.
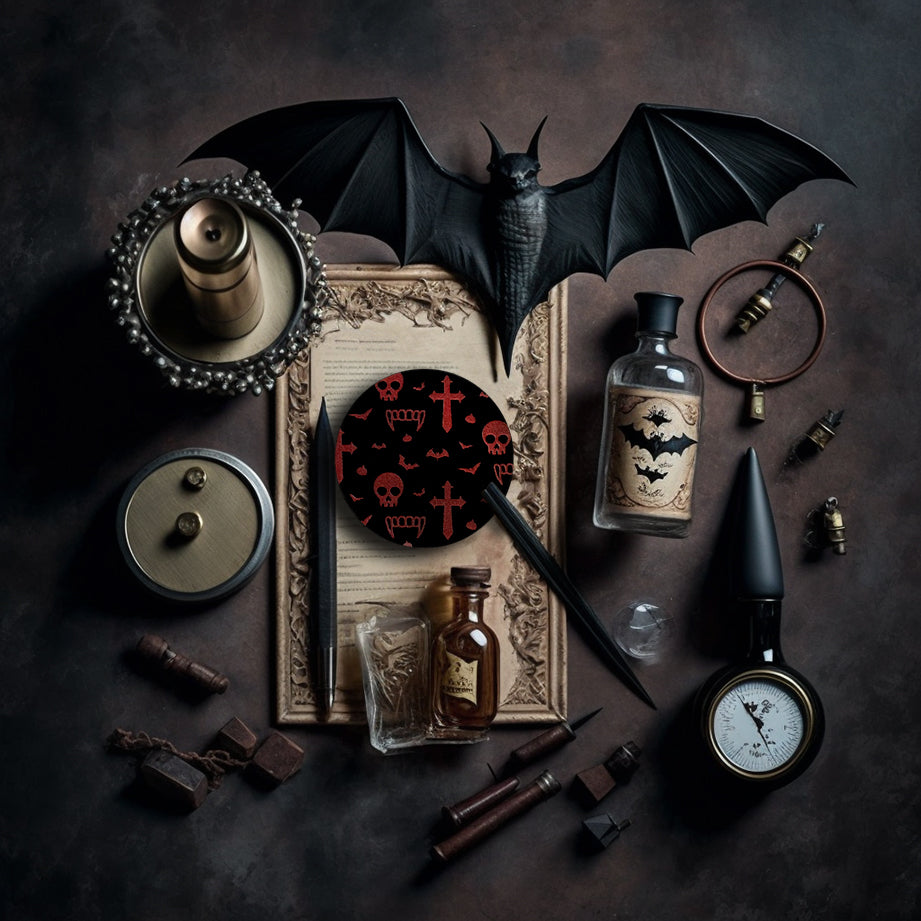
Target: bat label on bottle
650,469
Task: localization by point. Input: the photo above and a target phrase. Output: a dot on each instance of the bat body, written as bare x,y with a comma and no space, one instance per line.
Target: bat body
656,444
673,175
650,473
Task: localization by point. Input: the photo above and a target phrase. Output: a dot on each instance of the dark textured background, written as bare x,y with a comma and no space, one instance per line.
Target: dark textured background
100,102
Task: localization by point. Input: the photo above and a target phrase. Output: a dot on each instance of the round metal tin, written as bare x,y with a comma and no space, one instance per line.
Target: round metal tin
235,523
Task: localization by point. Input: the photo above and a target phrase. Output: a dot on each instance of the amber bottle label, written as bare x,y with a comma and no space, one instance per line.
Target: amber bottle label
653,451
459,679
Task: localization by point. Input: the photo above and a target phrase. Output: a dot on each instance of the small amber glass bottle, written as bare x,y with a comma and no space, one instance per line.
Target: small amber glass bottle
465,657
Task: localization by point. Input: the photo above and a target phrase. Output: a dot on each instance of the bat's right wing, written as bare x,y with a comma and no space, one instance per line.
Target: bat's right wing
361,166
673,175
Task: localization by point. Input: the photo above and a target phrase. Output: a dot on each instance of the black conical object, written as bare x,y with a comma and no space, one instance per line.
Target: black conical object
757,570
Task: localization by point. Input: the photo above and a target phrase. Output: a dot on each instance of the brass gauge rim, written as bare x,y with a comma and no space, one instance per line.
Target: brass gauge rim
156,533
808,703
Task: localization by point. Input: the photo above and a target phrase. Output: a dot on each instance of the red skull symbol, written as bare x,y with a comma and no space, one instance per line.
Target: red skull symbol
496,437
388,487
389,388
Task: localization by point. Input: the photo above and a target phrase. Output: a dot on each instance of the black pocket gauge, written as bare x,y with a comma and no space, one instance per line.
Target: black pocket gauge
760,721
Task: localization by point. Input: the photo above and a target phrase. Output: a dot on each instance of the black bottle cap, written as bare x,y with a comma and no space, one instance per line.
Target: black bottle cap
657,312
757,568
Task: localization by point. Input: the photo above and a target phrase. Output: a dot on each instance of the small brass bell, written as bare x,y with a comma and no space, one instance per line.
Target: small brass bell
833,522
817,438
827,527
756,402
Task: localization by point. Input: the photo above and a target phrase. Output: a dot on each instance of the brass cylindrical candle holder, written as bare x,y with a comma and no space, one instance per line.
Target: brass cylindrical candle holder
218,262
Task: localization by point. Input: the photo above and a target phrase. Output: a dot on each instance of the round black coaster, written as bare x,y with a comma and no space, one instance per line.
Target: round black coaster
416,451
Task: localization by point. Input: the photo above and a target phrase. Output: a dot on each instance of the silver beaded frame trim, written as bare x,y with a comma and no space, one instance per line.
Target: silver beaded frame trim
252,374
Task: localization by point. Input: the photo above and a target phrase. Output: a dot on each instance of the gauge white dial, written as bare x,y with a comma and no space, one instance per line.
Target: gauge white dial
759,722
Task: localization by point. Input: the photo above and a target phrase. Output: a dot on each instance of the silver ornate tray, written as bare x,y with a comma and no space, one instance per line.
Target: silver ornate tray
149,302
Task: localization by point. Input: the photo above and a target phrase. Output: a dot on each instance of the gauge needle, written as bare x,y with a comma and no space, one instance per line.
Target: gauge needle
759,723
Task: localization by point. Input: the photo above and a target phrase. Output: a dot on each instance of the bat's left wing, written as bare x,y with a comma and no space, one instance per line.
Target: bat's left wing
674,174
361,166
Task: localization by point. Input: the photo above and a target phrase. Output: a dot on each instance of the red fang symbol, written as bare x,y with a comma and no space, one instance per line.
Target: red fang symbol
447,504
501,471
400,522
388,488
496,437
447,398
395,416
389,388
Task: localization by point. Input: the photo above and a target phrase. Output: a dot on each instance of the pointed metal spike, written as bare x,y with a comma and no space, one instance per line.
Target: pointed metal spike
582,720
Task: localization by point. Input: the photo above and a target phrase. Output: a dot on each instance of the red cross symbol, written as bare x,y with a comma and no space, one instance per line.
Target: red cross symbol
340,450
447,398
448,505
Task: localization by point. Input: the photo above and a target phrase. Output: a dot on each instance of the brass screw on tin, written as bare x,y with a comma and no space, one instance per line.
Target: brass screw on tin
189,525
195,478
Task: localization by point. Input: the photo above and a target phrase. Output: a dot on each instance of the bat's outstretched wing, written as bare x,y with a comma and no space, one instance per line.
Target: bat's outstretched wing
673,175
361,166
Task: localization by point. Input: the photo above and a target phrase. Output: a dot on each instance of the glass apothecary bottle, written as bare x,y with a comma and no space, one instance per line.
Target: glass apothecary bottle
465,657
652,418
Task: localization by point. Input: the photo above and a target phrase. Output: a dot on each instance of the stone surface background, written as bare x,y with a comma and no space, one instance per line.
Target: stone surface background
101,102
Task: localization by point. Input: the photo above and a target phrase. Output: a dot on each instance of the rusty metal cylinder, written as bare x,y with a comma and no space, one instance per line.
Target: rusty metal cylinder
518,803
474,806
155,650
218,262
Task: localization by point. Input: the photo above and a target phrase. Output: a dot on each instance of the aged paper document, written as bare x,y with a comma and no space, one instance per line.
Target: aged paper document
381,320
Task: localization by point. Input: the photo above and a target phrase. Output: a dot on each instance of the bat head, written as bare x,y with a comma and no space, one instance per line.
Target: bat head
514,173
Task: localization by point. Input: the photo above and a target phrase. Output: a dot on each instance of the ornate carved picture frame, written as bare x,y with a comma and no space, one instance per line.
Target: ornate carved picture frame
379,320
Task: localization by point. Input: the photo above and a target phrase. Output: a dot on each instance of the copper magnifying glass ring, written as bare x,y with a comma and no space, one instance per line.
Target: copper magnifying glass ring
799,279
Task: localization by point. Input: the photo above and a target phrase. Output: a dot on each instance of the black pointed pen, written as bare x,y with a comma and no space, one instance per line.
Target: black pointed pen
551,571
323,493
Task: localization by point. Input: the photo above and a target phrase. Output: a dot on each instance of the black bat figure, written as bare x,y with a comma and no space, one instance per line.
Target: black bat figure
672,175
655,444
650,474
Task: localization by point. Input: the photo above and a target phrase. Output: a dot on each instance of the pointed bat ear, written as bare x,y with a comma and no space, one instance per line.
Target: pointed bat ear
532,147
497,152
